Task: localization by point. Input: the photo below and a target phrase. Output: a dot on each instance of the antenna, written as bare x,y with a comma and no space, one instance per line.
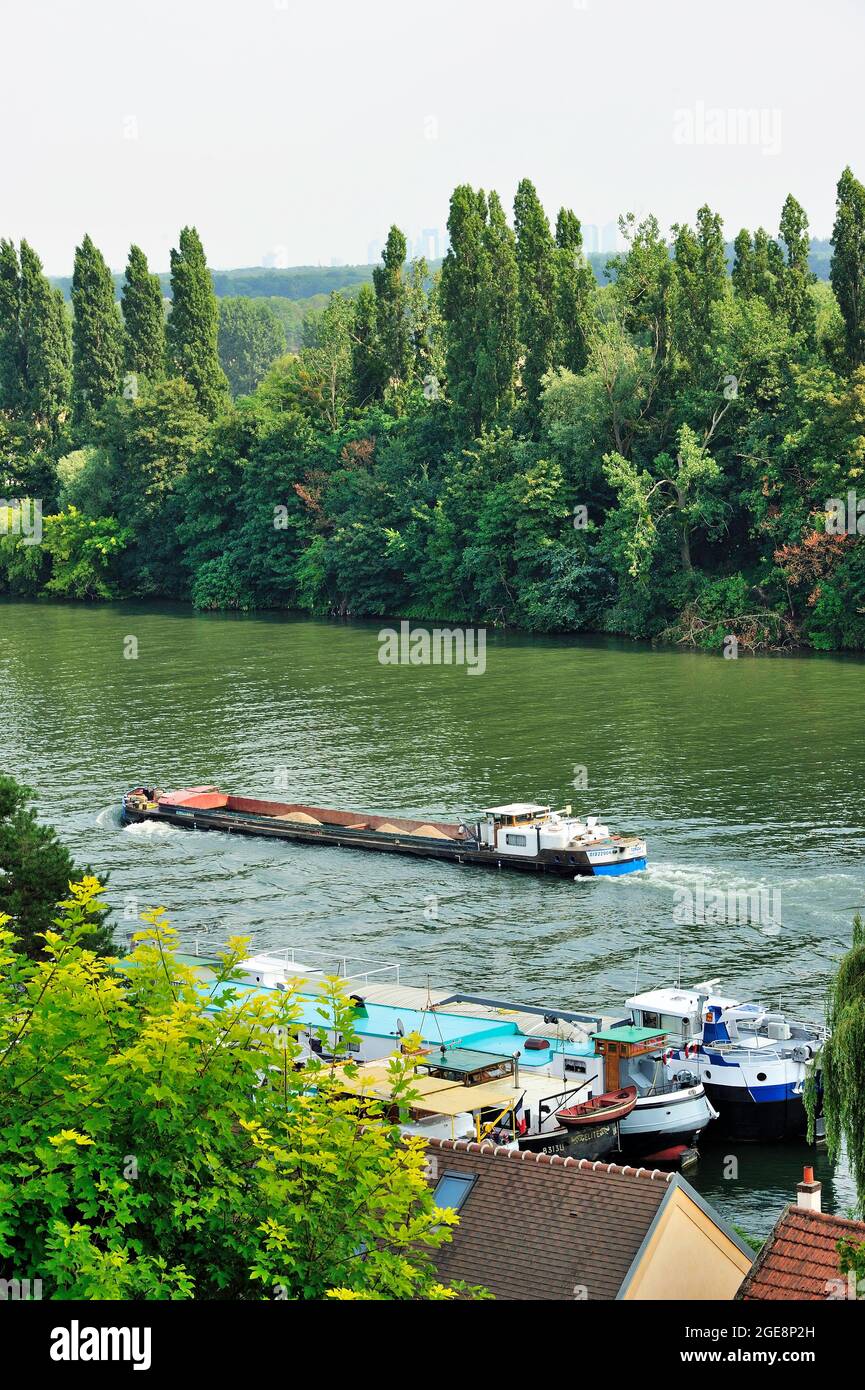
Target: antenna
637,971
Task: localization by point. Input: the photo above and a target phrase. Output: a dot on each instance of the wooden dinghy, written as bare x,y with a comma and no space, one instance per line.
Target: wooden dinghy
612,1105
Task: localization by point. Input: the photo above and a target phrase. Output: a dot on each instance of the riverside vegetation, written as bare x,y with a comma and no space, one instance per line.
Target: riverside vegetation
504,442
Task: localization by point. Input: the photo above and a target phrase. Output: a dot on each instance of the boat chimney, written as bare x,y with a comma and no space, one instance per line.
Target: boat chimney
808,1191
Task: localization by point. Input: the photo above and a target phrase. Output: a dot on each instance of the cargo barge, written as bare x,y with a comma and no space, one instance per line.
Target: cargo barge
520,836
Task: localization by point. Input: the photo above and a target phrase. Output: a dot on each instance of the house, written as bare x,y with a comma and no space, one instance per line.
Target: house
800,1259
535,1226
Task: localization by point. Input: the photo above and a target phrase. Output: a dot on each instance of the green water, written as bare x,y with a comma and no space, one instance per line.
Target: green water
742,774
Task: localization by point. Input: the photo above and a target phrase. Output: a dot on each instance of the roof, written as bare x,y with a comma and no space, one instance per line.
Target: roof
799,1261
463,1059
542,1227
516,808
628,1034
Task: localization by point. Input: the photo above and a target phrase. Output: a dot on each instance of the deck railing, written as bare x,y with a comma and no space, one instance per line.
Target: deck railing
362,968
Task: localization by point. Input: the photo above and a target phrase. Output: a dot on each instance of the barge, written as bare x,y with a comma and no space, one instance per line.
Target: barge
522,835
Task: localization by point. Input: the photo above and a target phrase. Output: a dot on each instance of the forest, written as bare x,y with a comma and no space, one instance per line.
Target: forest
502,441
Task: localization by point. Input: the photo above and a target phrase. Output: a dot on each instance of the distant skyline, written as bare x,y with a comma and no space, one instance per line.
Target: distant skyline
296,134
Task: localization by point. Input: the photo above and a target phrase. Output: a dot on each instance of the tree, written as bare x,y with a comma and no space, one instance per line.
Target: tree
575,283
143,319
13,385
699,283
464,286
35,873
326,363
499,317
161,1138
847,272
391,312
537,285
193,324
251,337
683,490
47,347
97,341
797,278
364,349
840,1064
642,280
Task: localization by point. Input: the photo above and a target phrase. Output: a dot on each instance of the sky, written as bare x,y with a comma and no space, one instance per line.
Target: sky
296,131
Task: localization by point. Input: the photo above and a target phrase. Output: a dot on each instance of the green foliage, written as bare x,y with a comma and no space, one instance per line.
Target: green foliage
84,554
162,1140
848,264
251,337
97,343
841,1064
143,319
35,873
193,324
425,447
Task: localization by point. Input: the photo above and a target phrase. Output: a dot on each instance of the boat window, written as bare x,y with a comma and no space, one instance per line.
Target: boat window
452,1189
651,1019
515,840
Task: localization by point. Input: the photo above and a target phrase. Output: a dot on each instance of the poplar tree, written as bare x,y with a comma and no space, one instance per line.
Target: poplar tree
743,264
699,283
46,346
97,343
796,277
574,284
392,321
143,318
847,272
536,266
464,285
12,378
499,316
193,324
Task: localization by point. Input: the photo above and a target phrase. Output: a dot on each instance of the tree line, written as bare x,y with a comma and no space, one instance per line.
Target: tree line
503,441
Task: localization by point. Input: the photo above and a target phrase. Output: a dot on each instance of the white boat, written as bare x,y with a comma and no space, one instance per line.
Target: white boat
751,1060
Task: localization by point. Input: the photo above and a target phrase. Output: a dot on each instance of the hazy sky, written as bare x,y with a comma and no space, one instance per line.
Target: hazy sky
300,129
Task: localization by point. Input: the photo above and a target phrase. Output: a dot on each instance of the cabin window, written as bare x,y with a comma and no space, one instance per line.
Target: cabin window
516,840
573,1066
651,1019
452,1189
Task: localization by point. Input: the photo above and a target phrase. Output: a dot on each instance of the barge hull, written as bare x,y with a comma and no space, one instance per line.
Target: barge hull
383,843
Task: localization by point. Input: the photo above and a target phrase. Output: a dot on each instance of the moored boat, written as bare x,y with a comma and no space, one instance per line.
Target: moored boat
612,1105
522,835
752,1061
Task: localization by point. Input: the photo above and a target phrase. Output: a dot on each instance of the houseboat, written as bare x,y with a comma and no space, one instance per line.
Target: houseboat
523,835
752,1061
560,1059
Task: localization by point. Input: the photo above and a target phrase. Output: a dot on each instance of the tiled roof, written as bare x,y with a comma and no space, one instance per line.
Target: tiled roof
800,1257
542,1227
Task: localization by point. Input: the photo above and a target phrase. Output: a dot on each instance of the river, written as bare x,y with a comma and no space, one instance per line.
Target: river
743,774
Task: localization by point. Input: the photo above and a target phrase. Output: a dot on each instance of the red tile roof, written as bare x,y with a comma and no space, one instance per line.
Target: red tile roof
536,1226
800,1257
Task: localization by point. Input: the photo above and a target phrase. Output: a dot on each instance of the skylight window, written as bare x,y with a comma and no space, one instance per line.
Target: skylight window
452,1189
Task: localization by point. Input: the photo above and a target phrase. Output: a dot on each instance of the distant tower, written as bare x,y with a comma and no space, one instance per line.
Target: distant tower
610,237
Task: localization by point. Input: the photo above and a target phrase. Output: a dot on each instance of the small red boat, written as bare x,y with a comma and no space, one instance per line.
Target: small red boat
612,1105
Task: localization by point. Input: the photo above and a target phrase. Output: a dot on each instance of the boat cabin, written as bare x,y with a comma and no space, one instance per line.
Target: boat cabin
526,829
679,1013
467,1067
618,1046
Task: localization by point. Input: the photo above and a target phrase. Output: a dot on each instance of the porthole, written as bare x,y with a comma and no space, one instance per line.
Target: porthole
761,1076
708,1075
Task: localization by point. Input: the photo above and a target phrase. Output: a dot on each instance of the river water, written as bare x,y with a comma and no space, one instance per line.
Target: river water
744,775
